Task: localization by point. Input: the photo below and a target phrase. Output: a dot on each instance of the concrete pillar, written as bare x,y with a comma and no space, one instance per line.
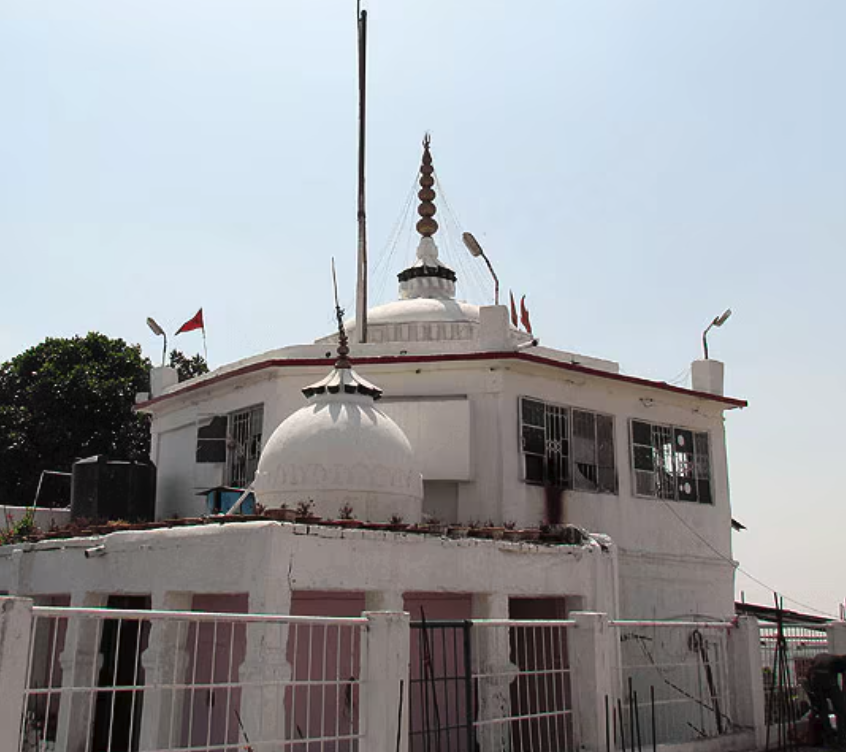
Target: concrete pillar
491,651
836,633
165,662
746,678
707,376
494,329
161,378
384,694
81,662
384,600
266,665
594,681
16,625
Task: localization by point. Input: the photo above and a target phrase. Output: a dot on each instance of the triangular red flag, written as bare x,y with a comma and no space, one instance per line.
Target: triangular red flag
513,310
524,315
196,322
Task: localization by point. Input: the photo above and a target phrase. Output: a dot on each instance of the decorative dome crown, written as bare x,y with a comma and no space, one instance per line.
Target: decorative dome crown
341,449
428,276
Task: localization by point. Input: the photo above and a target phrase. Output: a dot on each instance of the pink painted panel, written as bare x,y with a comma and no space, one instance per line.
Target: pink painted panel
215,653
438,690
329,658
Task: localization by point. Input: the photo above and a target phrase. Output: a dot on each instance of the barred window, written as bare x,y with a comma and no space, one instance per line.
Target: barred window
235,440
566,447
244,446
671,463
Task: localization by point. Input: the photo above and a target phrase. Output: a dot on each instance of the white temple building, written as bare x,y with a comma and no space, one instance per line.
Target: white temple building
474,423
447,414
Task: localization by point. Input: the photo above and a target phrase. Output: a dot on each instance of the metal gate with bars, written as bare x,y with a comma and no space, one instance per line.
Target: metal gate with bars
441,697
490,683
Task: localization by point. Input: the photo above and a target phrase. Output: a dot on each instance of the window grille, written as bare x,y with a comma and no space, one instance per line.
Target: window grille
566,447
243,446
671,463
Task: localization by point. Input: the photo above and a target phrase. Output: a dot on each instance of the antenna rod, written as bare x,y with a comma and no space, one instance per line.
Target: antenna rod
361,287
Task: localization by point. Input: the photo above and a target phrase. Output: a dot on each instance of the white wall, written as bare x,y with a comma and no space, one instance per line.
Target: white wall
255,557
44,518
462,417
439,431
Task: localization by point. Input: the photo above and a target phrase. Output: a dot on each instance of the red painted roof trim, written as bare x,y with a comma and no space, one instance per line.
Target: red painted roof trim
445,358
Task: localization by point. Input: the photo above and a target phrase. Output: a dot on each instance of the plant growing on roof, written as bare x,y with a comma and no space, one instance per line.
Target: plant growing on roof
305,508
396,519
346,511
17,531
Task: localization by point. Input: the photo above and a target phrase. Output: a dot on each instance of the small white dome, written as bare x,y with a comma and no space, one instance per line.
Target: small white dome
341,449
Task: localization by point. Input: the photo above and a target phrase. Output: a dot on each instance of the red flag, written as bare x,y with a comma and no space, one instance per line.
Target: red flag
193,323
524,315
513,310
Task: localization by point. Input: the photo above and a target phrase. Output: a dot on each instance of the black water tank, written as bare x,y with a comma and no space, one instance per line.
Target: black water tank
103,489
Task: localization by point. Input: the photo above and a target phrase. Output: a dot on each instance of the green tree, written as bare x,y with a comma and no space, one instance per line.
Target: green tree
188,368
65,399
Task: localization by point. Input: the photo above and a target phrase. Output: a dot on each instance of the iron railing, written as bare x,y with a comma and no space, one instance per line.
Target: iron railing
674,683
110,680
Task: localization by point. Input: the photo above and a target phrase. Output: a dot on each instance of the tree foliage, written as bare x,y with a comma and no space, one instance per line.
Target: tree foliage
66,399
188,368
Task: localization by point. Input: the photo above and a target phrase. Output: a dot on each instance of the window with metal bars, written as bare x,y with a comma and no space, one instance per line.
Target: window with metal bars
243,446
566,447
671,463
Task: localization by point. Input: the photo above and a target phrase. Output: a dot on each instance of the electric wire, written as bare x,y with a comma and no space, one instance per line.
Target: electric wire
739,568
680,378
476,280
382,268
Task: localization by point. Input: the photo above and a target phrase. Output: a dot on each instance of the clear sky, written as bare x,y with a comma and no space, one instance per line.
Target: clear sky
633,166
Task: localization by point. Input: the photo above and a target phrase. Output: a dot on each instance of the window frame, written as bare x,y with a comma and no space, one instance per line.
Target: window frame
674,431
565,414
252,438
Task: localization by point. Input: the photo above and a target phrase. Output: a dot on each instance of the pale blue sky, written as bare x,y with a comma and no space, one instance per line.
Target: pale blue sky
634,167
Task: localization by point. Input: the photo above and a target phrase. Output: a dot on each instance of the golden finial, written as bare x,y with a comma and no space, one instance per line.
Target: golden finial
426,226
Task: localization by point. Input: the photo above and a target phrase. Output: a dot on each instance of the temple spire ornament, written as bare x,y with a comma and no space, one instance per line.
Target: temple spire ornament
428,276
343,379
427,226
343,360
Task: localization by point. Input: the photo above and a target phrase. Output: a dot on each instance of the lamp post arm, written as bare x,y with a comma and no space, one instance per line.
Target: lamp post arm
705,339
495,278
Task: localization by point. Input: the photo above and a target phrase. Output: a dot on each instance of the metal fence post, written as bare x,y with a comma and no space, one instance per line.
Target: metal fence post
384,692
835,632
592,678
15,632
746,678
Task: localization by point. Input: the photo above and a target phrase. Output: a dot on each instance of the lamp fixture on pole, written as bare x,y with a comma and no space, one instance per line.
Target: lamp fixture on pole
157,330
718,321
476,250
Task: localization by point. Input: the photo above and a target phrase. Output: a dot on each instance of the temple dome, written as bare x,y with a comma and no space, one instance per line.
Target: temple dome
341,449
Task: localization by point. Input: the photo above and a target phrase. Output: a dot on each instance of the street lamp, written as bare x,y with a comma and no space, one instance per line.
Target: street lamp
718,321
476,250
156,329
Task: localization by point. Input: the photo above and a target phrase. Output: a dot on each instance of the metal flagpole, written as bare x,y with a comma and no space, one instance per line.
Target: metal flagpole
205,348
361,291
